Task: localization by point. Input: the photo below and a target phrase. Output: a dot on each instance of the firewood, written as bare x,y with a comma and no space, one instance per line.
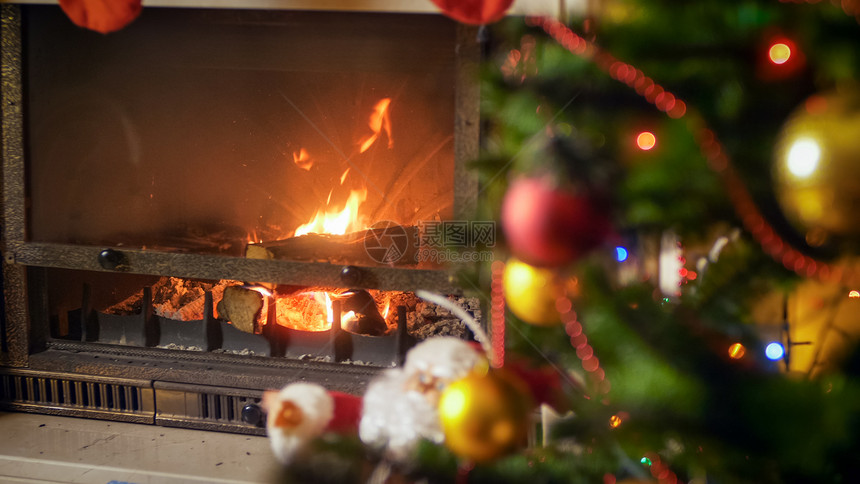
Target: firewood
349,248
242,307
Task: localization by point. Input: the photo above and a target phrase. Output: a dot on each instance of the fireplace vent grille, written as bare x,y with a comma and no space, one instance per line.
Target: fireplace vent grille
209,408
77,395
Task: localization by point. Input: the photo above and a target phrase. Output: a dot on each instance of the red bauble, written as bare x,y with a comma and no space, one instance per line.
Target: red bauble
475,12
549,227
103,16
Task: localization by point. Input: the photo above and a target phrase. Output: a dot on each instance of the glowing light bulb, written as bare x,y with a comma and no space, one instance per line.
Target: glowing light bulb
779,53
646,140
774,351
854,294
737,351
615,421
803,157
621,254
646,461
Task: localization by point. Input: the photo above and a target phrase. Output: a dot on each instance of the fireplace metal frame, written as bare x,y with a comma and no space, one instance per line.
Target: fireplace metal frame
29,356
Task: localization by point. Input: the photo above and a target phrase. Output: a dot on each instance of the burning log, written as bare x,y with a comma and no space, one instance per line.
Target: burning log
242,307
395,245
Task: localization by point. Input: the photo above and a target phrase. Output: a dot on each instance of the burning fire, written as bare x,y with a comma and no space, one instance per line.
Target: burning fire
329,221
312,310
345,220
379,120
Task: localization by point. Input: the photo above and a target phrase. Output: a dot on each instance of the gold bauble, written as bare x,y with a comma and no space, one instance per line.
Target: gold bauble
531,292
817,158
485,415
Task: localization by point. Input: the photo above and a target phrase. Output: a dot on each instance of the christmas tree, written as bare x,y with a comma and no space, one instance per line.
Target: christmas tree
677,274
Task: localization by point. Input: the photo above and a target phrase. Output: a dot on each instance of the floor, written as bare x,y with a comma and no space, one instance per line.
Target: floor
46,449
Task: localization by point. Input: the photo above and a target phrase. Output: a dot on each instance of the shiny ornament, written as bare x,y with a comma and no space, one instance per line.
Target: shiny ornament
549,227
103,16
485,415
531,293
815,173
475,12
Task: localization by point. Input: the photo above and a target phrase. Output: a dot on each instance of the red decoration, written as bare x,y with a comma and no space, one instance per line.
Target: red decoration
549,227
347,413
475,12
103,16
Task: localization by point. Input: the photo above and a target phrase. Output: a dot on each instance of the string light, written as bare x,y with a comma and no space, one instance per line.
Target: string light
779,53
854,294
774,351
621,254
646,140
737,351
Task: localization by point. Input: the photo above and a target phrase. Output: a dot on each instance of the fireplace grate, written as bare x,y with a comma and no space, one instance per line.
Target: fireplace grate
77,395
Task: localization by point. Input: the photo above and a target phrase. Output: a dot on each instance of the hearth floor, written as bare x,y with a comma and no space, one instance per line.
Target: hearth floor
41,448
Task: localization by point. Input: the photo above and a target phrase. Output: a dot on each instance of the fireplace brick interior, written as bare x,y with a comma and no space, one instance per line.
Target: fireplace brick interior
181,194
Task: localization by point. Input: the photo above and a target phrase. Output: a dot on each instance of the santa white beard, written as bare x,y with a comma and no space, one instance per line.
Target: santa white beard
317,410
394,420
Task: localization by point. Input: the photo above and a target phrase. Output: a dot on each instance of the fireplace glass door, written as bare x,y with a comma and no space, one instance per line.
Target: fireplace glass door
205,130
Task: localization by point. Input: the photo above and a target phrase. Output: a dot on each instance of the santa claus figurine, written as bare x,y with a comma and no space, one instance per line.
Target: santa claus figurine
401,405
301,412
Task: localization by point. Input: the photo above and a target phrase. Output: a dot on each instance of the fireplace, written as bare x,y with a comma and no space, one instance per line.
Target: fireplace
214,202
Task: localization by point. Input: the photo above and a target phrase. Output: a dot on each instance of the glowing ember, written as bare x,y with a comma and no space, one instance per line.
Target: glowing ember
302,159
329,221
305,311
379,120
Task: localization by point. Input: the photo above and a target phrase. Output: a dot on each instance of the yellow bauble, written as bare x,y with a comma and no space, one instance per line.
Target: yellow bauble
531,292
485,415
816,171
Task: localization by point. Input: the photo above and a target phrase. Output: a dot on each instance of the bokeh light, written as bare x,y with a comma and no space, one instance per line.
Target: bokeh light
615,421
774,351
854,294
646,140
621,254
803,157
779,53
737,351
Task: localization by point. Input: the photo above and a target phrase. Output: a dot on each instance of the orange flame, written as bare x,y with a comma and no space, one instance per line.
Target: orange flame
387,307
329,221
379,120
302,159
